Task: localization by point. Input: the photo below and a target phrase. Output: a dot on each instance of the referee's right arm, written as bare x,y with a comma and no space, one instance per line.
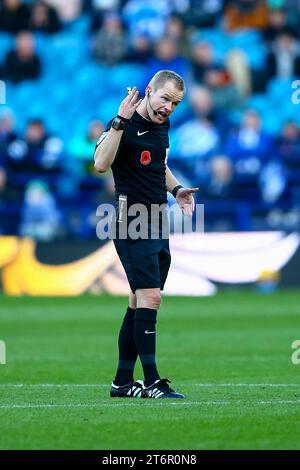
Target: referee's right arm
106,149
108,144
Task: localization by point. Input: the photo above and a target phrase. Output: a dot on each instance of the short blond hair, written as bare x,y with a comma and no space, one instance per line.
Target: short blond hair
163,76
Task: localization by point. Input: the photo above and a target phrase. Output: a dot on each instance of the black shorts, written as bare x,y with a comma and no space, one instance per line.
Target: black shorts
146,262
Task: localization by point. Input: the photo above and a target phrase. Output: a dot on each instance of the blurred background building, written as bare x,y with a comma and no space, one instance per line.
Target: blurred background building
236,135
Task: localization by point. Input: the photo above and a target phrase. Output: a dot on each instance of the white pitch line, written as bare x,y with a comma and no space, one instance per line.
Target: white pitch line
246,385
53,385
45,385
164,403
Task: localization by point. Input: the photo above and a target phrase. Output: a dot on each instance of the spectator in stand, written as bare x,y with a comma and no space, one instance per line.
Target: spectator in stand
288,145
220,179
140,49
14,16
7,135
176,30
292,8
40,217
272,182
22,63
37,153
2,176
167,58
68,10
215,77
277,25
82,146
283,61
202,61
98,10
110,43
238,67
288,153
203,13
107,193
246,14
226,95
146,17
193,143
249,147
7,131
44,18
204,106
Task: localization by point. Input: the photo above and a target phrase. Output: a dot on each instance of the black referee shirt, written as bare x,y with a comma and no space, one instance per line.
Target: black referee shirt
139,168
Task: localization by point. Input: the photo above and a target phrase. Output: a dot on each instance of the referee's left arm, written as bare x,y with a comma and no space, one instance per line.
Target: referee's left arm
184,196
171,181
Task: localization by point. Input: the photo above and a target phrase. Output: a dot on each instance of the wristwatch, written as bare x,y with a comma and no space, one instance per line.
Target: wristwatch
176,189
119,123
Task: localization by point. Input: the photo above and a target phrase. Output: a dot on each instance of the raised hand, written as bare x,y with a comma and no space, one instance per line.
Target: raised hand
129,104
185,200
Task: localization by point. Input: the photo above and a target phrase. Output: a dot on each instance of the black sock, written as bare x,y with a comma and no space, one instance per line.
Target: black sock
145,340
127,350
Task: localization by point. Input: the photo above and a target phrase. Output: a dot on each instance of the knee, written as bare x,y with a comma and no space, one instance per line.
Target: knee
149,299
155,300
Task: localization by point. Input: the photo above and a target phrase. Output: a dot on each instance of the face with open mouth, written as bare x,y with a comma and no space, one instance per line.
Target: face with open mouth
163,101
162,115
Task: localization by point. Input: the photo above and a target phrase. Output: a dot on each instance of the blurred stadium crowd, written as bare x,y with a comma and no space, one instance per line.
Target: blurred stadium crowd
66,65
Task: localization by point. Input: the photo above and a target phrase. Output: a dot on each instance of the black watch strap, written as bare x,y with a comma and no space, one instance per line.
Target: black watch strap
127,121
119,124
176,189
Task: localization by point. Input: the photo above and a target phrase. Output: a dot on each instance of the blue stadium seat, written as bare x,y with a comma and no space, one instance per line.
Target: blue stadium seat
7,43
108,108
279,89
258,102
79,27
125,75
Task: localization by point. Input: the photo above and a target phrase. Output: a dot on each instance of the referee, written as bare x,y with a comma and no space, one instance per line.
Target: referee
135,145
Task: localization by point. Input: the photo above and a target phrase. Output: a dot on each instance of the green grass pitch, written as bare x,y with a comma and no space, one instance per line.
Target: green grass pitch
230,355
